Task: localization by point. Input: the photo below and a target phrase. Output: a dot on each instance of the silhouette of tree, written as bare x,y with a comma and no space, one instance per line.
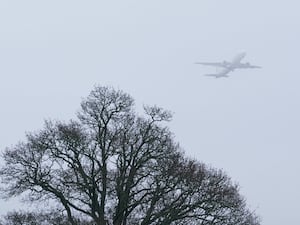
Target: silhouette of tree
115,166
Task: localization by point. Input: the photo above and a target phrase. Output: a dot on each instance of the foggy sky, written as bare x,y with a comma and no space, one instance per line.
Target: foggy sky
52,53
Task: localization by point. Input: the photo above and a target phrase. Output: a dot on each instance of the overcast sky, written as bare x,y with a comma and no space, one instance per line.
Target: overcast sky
52,53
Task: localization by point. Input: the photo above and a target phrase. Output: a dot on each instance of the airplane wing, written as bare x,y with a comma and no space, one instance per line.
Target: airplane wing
222,73
247,66
252,66
211,64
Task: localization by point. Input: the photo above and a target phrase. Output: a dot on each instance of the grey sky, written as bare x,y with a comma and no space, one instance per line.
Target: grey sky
52,53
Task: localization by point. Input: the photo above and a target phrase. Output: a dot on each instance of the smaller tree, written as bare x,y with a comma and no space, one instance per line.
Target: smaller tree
39,218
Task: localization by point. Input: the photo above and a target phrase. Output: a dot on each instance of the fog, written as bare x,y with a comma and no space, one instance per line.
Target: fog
53,53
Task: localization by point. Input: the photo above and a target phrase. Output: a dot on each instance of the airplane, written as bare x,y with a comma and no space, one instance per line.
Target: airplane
229,66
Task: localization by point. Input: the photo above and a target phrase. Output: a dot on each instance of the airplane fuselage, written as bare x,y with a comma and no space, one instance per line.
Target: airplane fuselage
236,62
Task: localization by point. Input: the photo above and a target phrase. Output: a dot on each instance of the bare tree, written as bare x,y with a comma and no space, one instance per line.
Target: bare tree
113,165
